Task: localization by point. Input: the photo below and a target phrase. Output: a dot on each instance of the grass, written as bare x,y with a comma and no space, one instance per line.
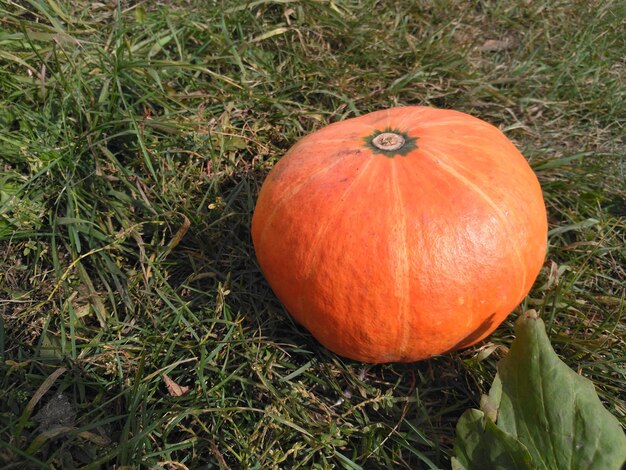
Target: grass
133,142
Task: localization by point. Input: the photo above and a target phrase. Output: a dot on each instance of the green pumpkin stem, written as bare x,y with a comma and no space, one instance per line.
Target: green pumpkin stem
390,142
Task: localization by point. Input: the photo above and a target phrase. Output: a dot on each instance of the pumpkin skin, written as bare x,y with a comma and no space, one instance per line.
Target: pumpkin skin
401,255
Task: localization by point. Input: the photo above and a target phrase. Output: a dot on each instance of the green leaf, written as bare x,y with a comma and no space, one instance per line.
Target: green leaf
481,445
573,227
551,409
557,162
140,14
547,417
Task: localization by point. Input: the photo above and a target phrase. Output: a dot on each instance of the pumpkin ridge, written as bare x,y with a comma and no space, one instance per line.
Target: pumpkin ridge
503,220
402,268
447,140
438,123
325,225
292,191
410,116
320,141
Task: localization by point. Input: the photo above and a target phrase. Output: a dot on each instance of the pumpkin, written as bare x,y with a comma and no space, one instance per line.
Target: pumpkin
401,234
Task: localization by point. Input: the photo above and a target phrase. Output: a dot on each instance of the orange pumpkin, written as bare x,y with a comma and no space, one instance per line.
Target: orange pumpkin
401,234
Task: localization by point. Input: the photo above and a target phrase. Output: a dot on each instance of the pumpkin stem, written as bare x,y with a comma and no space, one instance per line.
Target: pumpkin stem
388,141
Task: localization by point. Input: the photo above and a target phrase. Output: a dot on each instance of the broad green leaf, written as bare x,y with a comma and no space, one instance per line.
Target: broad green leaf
481,445
552,410
573,227
547,416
